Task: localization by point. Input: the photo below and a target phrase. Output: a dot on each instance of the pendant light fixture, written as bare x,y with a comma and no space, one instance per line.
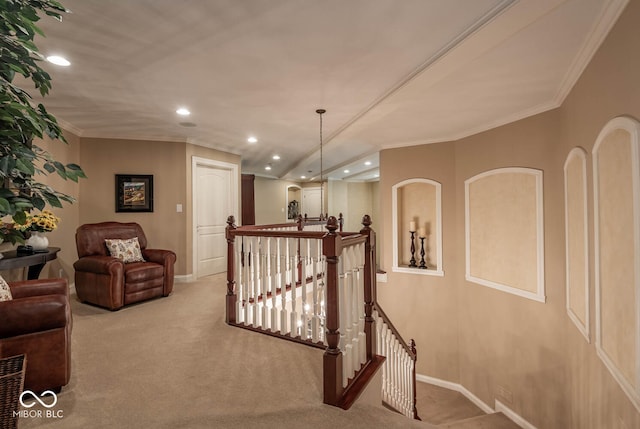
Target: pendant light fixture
321,112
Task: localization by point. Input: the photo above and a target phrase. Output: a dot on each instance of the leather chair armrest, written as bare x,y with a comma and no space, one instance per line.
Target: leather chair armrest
159,256
25,288
97,264
33,314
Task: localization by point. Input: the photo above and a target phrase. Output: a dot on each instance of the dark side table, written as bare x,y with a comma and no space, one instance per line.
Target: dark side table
35,262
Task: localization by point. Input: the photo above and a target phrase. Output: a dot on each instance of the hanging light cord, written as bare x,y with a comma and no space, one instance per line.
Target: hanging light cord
320,112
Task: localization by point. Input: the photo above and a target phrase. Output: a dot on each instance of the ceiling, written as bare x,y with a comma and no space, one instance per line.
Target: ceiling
389,73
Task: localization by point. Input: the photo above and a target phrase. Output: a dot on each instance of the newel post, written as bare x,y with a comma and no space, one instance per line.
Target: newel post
415,396
369,285
231,293
332,358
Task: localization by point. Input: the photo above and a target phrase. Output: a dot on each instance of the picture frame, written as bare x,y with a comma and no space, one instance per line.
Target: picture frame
134,193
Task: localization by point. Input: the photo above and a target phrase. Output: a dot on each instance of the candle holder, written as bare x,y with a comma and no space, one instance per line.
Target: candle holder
423,264
412,261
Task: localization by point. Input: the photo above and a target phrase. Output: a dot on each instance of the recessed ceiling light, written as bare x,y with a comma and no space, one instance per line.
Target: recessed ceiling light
303,177
367,163
346,171
183,111
276,157
252,139
268,167
58,60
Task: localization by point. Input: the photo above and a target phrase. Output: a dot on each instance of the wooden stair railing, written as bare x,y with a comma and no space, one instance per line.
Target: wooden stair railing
383,339
319,288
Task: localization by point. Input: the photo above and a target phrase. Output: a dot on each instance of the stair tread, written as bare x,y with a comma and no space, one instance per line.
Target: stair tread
487,421
438,405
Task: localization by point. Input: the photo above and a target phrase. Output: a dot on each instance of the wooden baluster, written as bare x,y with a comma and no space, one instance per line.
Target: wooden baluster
355,334
315,299
248,283
277,285
304,334
231,298
346,336
383,351
322,290
362,338
332,358
413,379
257,277
240,280
283,291
295,270
264,263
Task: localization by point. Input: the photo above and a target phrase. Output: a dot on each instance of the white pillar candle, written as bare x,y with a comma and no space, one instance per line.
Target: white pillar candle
412,226
422,233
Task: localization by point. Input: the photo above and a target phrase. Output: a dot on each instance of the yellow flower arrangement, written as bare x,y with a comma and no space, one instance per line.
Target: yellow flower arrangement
44,221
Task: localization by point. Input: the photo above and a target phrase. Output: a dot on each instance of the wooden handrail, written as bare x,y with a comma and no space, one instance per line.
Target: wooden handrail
339,389
393,329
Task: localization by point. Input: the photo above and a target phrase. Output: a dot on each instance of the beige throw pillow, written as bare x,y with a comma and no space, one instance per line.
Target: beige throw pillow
127,250
5,292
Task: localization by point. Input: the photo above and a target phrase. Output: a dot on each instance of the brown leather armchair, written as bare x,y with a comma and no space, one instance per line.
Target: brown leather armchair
107,281
37,322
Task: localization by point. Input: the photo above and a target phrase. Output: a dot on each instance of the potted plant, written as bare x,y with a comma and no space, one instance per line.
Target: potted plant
22,121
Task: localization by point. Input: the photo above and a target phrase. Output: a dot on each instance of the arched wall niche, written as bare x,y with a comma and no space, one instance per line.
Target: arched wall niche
417,206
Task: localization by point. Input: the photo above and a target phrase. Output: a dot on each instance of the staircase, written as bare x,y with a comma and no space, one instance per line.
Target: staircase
449,409
316,285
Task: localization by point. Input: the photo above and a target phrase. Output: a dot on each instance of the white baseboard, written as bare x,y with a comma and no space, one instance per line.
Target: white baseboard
513,416
499,407
458,388
183,278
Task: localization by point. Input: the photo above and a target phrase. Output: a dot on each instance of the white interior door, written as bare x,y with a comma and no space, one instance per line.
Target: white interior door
311,205
215,198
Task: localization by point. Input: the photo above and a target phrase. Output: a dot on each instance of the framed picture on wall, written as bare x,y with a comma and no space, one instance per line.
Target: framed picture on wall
134,192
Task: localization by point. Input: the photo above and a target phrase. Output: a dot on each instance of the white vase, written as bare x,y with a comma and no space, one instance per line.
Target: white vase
38,241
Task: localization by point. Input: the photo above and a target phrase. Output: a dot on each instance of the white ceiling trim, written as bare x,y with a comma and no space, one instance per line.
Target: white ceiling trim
603,24
445,50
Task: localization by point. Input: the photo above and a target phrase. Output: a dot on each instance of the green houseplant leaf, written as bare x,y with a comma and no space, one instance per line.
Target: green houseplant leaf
21,120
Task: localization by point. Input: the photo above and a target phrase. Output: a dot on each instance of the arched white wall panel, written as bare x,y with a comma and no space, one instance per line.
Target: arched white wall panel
504,231
577,239
616,186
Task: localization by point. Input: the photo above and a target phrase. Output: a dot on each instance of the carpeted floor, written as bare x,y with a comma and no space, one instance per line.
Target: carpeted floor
173,363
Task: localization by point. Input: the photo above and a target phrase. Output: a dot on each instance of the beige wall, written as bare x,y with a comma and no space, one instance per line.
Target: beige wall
486,339
102,159
607,88
352,199
271,200
422,307
170,164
